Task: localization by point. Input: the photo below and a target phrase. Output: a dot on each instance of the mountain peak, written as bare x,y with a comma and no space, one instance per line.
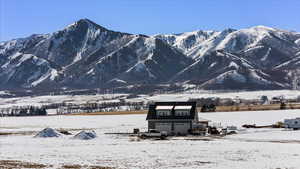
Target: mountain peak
86,22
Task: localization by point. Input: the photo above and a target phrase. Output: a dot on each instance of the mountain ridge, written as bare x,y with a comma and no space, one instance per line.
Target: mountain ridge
87,55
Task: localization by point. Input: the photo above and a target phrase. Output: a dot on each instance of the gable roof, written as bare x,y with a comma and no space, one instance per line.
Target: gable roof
191,106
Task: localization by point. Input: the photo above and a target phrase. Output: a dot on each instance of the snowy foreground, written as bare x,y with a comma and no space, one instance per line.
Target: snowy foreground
251,148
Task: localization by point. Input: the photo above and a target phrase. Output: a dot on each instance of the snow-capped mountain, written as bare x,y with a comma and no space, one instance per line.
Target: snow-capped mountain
86,55
255,58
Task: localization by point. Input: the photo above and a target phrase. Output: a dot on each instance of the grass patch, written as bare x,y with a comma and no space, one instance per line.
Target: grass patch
17,133
255,107
14,164
76,166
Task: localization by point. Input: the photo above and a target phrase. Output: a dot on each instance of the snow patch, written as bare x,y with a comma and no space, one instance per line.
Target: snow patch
212,65
297,42
264,58
51,74
140,67
233,64
91,71
253,48
117,80
254,77
234,75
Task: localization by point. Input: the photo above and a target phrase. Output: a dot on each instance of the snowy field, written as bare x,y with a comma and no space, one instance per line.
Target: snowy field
80,99
251,148
288,94
45,100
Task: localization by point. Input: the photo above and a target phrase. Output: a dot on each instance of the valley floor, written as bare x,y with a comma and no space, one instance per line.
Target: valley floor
6,103
250,148
185,96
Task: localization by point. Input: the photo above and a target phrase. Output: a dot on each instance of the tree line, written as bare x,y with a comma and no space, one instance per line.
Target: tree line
24,111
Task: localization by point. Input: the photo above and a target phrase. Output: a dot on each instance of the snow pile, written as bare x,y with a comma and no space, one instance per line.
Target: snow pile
85,135
48,132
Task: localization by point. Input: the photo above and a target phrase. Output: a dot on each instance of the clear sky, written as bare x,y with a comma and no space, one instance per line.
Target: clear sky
21,18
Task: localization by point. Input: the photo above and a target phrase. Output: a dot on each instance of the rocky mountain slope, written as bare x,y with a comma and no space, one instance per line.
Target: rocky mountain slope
85,55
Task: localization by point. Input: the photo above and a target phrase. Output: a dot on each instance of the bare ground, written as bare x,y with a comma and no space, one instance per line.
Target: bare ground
15,164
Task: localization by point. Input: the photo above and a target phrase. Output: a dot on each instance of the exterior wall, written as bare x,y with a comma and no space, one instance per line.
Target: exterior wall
174,130
181,128
164,126
151,125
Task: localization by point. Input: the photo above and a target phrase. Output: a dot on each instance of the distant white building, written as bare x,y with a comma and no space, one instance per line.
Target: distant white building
292,123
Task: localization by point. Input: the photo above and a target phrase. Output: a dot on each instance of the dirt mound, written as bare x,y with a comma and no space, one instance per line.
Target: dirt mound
85,135
48,132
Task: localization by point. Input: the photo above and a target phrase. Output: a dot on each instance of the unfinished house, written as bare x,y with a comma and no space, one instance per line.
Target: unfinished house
172,117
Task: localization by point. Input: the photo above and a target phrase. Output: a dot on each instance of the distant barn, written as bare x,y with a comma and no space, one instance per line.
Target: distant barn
173,117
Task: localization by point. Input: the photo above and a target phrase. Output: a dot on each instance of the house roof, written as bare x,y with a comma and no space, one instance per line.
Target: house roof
191,106
183,107
164,107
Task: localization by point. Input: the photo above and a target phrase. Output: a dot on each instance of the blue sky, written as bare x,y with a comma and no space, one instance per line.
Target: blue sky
21,18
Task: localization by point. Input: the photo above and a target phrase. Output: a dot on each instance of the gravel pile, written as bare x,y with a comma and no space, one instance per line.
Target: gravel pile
85,135
48,132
